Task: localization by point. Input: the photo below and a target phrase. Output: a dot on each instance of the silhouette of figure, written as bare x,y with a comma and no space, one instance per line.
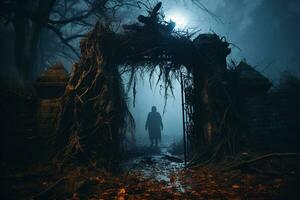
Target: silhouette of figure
154,126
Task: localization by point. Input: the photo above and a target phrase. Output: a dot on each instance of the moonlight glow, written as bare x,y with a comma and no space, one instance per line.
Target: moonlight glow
179,19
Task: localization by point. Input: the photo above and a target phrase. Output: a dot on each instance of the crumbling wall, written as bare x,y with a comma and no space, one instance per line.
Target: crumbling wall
270,122
272,117
50,87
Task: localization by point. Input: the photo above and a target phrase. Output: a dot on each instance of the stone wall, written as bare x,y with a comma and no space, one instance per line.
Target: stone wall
28,119
50,86
47,112
270,121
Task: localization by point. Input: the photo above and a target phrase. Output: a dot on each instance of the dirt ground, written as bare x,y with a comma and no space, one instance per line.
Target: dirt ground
156,175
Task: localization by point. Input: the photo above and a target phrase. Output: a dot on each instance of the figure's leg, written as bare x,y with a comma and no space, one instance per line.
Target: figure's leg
151,142
156,142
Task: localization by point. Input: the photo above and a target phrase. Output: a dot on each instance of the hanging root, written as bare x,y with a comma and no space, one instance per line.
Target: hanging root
94,115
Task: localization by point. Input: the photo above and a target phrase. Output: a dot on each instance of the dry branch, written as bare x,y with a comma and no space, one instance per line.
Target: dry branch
248,162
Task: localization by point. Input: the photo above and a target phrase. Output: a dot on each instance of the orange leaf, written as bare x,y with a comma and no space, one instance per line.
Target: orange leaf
235,186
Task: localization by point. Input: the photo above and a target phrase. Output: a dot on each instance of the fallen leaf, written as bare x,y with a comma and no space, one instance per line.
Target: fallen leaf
235,186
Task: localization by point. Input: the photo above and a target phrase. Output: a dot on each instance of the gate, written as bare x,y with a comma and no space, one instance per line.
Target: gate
187,95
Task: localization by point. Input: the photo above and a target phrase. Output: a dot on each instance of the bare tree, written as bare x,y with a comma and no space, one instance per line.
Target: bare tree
62,22
30,17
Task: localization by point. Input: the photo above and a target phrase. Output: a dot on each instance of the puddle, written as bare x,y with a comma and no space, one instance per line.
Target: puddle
158,167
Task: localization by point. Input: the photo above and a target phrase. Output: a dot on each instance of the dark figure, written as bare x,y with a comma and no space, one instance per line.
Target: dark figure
154,125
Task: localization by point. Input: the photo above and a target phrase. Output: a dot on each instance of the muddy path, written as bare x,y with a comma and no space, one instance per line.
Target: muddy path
163,176
155,174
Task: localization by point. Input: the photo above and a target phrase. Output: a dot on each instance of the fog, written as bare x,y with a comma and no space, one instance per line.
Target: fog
149,95
266,33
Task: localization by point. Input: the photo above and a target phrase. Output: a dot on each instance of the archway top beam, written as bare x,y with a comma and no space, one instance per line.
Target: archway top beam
153,41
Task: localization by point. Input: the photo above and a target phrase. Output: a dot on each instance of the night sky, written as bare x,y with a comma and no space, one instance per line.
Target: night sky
266,33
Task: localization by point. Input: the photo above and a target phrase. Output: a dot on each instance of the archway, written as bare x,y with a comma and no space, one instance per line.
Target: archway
94,106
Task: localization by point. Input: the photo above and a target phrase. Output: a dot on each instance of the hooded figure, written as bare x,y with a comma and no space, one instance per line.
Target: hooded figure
154,126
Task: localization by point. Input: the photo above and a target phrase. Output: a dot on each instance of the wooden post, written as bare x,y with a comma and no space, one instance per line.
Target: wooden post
201,110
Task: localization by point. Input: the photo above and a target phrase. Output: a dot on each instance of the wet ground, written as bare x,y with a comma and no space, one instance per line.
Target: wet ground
160,175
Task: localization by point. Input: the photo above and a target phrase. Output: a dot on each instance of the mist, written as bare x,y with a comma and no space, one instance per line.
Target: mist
262,32
153,94
80,79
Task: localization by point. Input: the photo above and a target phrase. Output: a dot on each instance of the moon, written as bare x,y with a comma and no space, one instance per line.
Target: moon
179,18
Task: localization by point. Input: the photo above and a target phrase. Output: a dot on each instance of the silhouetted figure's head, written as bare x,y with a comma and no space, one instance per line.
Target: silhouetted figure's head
153,108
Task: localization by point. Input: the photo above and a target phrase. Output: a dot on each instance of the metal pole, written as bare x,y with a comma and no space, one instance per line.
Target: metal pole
183,118
186,128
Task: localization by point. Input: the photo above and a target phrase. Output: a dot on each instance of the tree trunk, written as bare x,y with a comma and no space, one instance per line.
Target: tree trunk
27,30
26,42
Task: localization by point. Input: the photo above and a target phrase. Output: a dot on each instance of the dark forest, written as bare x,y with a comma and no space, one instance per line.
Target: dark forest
146,99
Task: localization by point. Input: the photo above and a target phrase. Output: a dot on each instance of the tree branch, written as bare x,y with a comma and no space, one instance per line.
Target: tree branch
64,40
72,19
244,163
74,37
